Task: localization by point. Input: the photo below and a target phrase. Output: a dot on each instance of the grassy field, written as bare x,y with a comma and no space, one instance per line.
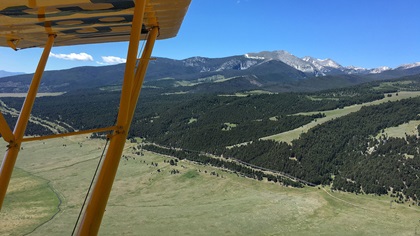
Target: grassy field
393,85
400,131
22,95
210,79
332,114
48,188
247,93
30,201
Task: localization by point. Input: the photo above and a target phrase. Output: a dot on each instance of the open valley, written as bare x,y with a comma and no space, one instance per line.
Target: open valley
148,199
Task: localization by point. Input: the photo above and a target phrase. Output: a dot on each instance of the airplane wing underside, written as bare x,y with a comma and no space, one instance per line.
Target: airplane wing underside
26,23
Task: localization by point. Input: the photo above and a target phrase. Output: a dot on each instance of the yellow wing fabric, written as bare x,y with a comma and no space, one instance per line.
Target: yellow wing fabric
25,24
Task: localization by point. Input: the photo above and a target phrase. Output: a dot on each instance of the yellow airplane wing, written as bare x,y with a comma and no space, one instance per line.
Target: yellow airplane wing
26,23
42,23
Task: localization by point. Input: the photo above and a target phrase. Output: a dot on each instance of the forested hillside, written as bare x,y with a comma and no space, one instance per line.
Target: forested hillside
343,152
198,122
348,153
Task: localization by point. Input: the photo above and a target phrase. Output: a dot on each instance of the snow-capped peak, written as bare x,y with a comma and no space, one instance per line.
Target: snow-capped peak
322,63
408,66
355,70
286,58
380,70
330,63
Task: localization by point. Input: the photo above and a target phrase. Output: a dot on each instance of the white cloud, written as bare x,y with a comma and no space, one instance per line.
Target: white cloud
73,56
110,60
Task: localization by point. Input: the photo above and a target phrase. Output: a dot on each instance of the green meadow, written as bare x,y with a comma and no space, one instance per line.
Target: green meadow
291,135
152,197
22,95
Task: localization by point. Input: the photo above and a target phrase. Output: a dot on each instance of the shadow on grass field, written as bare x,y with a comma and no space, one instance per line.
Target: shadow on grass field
152,197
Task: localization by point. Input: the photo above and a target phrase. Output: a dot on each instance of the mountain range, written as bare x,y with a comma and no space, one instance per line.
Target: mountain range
320,67
274,71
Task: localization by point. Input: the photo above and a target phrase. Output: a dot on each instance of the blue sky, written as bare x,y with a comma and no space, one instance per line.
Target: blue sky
368,33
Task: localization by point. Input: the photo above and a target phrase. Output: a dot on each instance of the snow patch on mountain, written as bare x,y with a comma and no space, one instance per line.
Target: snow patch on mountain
286,58
329,63
408,66
379,70
254,57
355,70
322,63
325,66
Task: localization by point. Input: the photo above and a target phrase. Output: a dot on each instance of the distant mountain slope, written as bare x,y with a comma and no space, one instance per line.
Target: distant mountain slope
273,71
4,73
404,70
66,80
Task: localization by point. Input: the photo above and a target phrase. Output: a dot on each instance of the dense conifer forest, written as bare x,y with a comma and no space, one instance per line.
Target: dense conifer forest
349,153
344,153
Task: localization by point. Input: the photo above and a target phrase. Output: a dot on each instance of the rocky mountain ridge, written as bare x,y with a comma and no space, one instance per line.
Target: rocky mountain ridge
275,71
320,67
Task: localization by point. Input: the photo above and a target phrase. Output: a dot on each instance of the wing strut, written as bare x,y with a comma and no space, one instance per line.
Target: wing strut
132,84
5,131
106,28
20,127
